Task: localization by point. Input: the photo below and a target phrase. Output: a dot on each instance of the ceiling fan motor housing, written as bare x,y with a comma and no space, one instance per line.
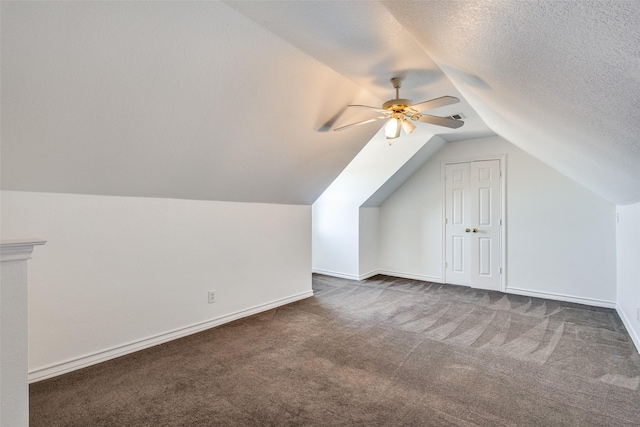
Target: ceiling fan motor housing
396,105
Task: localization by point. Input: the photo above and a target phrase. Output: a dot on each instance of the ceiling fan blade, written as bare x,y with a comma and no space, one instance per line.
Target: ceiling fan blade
367,106
435,103
360,123
440,121
408,126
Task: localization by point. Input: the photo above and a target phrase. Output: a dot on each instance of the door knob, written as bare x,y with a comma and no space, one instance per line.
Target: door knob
467,230
475,230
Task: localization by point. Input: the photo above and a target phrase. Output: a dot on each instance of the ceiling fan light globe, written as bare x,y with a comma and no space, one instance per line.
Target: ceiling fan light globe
408,126
392,128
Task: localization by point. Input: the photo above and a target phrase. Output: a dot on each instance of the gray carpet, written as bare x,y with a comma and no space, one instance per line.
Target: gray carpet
382,352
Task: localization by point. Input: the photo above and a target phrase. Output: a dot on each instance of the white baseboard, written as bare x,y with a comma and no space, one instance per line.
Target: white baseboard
336,274
374,272
411,276
367,275
345,275
560,297
629,326
53,370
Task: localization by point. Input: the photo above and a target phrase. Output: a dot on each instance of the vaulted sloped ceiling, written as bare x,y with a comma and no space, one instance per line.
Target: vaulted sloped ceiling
166,99
214,101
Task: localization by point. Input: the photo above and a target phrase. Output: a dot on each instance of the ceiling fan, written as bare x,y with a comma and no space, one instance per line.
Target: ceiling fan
401,113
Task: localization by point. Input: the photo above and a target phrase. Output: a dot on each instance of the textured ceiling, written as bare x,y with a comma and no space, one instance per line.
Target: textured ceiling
559,79
206,100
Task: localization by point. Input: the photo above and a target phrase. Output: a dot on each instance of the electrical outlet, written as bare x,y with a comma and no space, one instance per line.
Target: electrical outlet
212,297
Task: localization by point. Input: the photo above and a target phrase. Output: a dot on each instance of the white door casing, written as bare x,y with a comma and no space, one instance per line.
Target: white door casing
473,224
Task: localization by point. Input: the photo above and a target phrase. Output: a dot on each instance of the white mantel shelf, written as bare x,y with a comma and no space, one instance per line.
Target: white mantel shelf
14,389
18,249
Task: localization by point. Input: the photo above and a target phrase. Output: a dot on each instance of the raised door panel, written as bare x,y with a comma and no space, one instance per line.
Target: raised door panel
485,257
457,214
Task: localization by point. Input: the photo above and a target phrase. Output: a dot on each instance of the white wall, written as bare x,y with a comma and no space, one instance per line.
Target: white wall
628,255
336,213
560,236
120,273
368,241
335,238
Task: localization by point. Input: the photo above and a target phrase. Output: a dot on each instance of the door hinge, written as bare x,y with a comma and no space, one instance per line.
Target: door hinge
446,220
500,270
446,264
500,221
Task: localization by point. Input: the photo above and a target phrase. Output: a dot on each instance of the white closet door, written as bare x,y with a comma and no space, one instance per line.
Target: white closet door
485,224
473,224
458,216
